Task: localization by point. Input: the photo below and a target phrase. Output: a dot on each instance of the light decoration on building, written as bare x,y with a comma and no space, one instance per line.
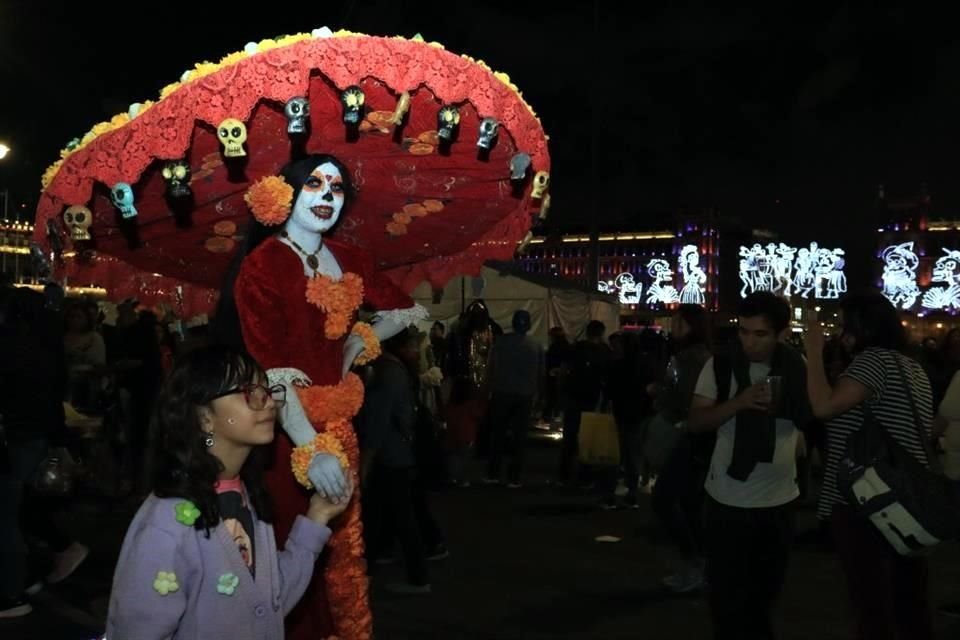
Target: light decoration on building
900,274
659,270
791,271
947,271
694,277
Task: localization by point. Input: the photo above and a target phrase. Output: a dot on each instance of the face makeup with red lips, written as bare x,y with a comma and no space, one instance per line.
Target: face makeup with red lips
320,201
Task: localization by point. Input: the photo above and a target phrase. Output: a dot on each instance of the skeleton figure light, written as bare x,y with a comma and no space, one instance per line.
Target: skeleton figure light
297,111
232,134
787,271
78,219
353,100
489,128
177,175
448,121
694,277
947,271
541,182
519,165
900,275
829,272
629,289
659,270
122,197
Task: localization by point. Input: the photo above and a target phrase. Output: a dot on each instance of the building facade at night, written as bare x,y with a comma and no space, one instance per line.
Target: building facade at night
701,259
917,262
16,264
649,270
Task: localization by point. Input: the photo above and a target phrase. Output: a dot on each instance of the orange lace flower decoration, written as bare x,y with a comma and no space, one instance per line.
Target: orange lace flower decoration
322,443
371,343
332,402
338,299
270,199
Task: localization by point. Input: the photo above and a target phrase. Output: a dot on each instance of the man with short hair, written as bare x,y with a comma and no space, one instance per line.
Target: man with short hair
756,399
516,377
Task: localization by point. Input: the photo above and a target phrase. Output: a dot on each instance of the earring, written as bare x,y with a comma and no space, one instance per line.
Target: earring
208,440
231,421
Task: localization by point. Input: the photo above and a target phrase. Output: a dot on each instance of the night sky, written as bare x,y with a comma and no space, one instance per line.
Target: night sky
785,118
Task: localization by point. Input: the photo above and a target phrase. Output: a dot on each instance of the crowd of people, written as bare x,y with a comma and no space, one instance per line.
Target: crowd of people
721,433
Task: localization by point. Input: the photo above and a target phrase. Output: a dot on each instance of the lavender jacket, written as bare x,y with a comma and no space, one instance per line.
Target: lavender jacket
174,583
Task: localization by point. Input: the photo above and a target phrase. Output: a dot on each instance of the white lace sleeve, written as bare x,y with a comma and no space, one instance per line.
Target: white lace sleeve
288,377
403,317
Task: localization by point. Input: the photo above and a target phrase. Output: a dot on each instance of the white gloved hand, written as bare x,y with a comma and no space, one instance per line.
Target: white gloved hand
352,348
328,478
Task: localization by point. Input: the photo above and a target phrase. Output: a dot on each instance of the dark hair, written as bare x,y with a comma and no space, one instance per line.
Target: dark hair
945,345
872,321
80,309
699,322
775,309
396,343
180,465
595,329
521,321
440,325
226,322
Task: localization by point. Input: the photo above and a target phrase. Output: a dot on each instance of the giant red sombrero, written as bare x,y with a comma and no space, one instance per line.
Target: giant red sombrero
426,212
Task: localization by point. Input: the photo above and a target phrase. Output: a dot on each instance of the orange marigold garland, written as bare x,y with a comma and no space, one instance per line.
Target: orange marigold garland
338,299
333,402
371,343
270,199
346,571
302,455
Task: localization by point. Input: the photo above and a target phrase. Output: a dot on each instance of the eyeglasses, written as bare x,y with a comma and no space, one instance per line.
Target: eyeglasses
256,395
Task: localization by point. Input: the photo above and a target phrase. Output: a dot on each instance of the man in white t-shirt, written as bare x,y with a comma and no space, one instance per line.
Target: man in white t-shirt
754,398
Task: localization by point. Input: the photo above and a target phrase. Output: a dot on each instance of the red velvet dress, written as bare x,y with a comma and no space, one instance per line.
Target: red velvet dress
282,330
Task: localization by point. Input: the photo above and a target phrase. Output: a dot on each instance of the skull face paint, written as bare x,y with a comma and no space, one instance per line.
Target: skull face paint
321,199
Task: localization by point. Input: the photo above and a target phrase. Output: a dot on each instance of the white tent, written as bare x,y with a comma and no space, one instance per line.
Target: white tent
551,301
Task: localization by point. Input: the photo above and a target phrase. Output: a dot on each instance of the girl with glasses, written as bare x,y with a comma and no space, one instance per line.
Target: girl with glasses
200,559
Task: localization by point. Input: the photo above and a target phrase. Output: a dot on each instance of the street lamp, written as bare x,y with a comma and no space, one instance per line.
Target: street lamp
4,150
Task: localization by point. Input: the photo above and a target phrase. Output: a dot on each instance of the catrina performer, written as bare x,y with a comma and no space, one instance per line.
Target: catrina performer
296,183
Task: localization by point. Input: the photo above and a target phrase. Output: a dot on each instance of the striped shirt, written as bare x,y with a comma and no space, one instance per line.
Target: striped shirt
877,370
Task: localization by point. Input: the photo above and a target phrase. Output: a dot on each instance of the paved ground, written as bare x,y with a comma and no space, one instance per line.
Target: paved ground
524,565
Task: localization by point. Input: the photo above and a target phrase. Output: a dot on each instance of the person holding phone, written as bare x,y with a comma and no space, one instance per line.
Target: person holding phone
755,398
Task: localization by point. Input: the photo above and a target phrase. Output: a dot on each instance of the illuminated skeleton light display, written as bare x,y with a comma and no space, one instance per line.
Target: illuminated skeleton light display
900,275
947,271
694,277
659,270
786,271
629,291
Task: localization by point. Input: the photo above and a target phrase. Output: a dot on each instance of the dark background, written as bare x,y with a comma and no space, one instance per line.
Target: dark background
787,117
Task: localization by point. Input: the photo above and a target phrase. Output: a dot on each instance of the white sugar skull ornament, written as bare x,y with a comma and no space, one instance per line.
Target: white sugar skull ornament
489,128
297,111
78,219
232,135
122,197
